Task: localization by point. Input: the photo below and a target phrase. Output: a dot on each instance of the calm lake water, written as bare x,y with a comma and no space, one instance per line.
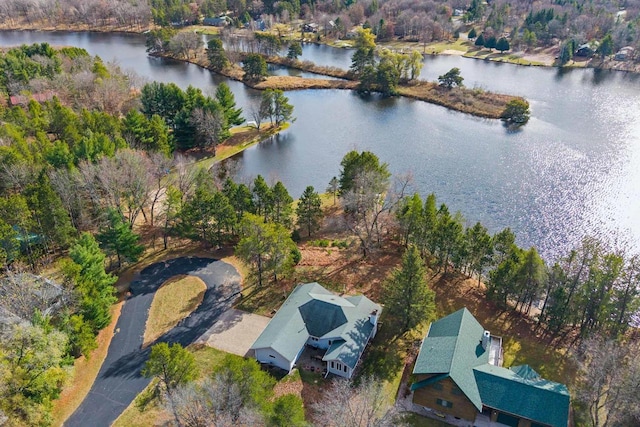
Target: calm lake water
574,169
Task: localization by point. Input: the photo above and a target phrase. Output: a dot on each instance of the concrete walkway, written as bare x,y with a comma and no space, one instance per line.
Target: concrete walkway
235,332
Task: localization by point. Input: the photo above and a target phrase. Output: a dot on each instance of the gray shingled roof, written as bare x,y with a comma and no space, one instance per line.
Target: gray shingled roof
311,310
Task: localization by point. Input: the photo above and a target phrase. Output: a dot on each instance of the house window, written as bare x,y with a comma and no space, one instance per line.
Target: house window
333,365
345,368
314,339
444,403
456,390
272,356
437,386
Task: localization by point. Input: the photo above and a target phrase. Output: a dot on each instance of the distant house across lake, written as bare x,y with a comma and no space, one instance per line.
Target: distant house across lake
219,21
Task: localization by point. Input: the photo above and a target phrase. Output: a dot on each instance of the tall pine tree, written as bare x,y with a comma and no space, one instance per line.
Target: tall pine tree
407,295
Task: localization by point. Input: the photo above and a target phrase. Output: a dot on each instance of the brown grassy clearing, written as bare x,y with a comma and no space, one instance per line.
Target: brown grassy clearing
310,67
472,101
172,302
85,371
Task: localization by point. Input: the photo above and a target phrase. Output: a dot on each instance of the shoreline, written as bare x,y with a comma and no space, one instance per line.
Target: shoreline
481,104
513,58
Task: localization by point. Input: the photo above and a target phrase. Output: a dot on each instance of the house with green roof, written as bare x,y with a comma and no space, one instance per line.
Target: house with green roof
459,372
313,316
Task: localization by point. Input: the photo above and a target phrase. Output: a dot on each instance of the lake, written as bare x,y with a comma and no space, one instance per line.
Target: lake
573,170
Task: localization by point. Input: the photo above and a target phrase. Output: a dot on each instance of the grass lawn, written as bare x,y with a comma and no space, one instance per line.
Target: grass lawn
499,57
202,29
207,359
241,138
430,49
388,353
416,420
309,377
85,370
173,301
265,300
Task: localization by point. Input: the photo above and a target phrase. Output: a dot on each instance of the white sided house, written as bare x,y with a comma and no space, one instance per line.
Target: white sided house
313,316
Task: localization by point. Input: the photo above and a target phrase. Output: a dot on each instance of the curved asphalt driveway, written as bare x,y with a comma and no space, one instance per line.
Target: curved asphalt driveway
119,380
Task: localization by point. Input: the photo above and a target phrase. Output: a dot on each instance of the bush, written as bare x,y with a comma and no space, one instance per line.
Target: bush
295,236
516,112
341,244
296,256
321,243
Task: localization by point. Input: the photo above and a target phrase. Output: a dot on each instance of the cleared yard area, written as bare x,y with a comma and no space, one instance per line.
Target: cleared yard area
235,332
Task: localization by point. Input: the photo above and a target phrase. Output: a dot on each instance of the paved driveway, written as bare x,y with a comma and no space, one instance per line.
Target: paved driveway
119,380
235,332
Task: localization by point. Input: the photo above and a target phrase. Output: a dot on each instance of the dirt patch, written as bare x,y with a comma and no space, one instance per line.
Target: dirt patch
345,271
292,384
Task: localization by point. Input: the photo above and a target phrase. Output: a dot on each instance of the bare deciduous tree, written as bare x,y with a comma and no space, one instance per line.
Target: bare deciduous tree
368,205
123,182
184,43
159,166
209,126
23,294
348,405
215,403
609,381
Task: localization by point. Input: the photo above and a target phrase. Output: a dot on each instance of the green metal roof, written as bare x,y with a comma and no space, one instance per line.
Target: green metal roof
428,381
311,310
453,346
521,391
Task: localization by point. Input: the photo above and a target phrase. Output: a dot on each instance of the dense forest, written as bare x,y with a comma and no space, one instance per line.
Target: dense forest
84,155
606,25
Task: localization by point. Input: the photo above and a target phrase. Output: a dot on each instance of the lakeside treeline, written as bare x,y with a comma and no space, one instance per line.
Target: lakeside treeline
605,26
593,289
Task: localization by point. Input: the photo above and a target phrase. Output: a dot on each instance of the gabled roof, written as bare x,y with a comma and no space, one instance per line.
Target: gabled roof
521,391
311,310
453,346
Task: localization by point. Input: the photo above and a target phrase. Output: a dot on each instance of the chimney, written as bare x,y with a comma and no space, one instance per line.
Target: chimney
486,340
373,317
